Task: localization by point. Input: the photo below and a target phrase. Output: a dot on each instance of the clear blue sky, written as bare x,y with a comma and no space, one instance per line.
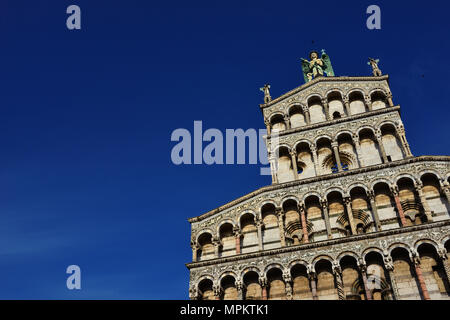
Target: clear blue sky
86,118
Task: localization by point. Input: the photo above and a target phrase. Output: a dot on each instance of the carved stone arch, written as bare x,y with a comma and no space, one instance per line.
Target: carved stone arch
372,249
227,273
297,262
301,141
443,241
274,114
447,176
321,137
430,171
336,136
332,189
293,105
360,90
380,180
355,185
348,254
274,265
418,243
268,201
327,93
321,257
368,127
282,145
247,270
312,95
405,175
289,197
224,221
399,245
203,231
204,277
243,213
384,122
378,89
311,193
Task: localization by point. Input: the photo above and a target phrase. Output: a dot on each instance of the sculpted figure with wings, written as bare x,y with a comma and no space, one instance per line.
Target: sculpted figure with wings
317,67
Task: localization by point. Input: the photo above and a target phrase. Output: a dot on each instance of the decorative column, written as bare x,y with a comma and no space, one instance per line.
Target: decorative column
423,287
304,226
217,290
273,168
195,246
240,290
216,244
307,115
326,108
347,105
371,196
389,265
405,145
363,269
394,190
381,145
280,215
389,99
444,257
326,216
424,202
259,225
358,150
294,163
268,127
312,281
335,147
368,102
263,283
351,221
315,158
337,271
287,121
238,235
288,285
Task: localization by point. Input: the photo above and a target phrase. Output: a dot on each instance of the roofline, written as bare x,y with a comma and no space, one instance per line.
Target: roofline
316,179
320,79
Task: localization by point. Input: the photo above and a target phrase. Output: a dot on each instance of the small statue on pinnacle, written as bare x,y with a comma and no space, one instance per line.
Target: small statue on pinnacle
266,91
374,64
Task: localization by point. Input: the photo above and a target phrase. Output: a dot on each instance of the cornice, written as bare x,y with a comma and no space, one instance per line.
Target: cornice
294,183
316,245
318,80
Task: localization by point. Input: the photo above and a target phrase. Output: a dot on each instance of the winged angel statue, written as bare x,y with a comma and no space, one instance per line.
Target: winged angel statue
317,66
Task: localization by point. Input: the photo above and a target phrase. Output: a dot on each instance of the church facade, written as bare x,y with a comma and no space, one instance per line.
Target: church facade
351,213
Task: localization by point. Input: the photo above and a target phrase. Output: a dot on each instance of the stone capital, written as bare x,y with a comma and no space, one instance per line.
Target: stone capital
336,267
371,195
394,190
442,252
263,281
293,152
388,262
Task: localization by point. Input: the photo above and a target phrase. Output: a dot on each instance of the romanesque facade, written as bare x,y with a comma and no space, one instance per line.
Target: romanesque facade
350,213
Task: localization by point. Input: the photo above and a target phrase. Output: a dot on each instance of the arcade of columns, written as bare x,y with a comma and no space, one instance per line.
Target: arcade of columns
392,216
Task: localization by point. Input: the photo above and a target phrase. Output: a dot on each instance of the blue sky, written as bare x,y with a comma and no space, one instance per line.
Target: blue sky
86,118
